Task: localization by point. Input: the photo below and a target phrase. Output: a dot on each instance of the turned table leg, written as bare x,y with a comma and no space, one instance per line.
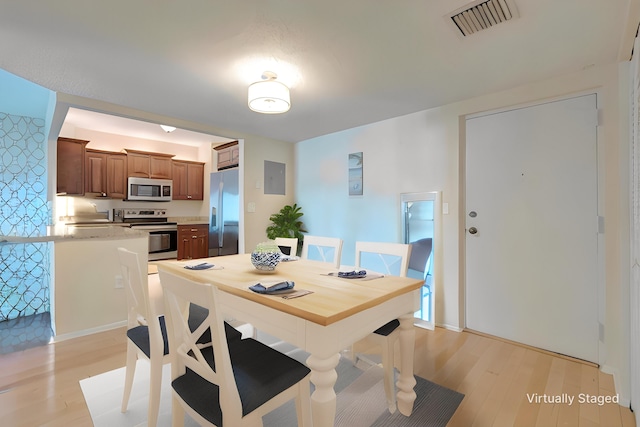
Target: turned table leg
406,380
323,399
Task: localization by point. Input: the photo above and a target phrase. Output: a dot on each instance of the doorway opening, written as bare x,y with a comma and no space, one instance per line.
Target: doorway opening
419,230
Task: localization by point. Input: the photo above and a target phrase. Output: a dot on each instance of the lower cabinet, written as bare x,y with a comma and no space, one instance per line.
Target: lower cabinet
193,241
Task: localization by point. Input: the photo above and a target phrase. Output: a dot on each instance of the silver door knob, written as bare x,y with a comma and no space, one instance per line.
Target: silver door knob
473,230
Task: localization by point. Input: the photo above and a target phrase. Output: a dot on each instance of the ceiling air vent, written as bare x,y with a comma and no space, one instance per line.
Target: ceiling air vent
482,14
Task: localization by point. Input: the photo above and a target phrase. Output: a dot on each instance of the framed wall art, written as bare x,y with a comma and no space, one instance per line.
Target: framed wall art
355,174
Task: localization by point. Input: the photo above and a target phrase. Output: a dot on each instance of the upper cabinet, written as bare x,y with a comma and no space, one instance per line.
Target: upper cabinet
71,166
105,174
98,173
188,180
117,175
149,165
228,155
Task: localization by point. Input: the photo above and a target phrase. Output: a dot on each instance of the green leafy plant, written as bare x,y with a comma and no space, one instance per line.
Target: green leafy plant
287,223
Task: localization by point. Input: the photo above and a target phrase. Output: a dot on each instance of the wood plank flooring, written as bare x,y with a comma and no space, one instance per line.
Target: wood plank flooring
40,386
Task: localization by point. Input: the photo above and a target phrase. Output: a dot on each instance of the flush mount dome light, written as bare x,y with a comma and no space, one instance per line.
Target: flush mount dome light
269,96
167,129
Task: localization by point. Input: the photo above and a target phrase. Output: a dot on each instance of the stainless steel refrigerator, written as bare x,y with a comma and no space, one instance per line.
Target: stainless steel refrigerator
224,204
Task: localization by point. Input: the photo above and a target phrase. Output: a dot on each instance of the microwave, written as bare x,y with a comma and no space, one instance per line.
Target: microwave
149,190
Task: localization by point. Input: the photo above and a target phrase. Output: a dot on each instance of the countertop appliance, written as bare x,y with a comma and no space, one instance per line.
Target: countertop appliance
163,235
224,204
149,190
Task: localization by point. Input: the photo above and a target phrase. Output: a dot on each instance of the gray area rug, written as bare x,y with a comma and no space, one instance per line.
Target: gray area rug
361,401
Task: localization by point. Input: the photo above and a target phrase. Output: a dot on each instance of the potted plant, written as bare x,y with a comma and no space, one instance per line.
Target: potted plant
287,223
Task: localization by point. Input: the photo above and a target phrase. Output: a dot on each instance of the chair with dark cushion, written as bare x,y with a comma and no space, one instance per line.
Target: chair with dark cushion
228,383
147,334
391,259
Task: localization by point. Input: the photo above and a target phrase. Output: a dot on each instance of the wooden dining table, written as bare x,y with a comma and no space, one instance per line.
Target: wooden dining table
336,313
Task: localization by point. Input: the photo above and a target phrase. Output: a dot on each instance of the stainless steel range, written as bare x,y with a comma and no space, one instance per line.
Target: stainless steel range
163,235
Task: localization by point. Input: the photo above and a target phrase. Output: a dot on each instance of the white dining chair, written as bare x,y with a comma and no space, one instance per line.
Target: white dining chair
240,382
320,248
287,242
146,331
391,259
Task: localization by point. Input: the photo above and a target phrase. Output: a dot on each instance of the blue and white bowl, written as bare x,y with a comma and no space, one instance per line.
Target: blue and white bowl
265,261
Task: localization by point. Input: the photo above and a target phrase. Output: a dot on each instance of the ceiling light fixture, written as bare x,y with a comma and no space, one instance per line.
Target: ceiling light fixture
167,129
269,96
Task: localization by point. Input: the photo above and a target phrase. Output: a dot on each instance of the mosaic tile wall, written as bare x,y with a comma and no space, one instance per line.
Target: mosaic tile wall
24,211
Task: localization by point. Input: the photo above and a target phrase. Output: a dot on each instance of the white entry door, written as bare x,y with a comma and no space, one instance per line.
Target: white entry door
532,226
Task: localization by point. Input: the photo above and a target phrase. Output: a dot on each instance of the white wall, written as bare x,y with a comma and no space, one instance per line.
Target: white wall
256,151
85,298
424,151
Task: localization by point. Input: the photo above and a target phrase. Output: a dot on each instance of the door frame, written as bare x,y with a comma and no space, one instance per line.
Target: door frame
436,248
600,195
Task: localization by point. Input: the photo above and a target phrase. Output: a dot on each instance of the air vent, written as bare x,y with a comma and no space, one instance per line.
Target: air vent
483,14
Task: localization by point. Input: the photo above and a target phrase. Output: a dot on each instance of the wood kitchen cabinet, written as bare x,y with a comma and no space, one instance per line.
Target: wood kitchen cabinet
193,241
188,180
228,155
149,165
95,177
70,173
105,174
117,175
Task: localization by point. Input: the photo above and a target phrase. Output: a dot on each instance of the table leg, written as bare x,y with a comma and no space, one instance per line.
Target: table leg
406,381
323,399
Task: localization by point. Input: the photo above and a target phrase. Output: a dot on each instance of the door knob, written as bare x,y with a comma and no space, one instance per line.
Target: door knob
473,230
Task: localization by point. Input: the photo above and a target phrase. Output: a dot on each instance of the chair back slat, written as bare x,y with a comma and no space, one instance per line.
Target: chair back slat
136,288
291,243
320,248
385,255
178,294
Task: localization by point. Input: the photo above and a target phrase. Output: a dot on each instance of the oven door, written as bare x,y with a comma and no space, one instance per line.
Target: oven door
163,240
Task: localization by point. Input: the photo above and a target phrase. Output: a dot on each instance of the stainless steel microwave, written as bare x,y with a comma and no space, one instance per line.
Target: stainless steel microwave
149,190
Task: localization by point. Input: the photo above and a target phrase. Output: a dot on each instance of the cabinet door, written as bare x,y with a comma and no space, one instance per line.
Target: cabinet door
180,181
185,243
70,166
224,158
138,165
117,176
201,241
95,172
235,155
159,167
188,180
193,241
195,181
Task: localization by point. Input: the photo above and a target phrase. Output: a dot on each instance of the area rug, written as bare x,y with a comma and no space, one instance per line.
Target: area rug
361,401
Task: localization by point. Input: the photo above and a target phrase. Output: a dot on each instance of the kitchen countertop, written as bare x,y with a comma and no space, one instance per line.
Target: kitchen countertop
71,233
189,220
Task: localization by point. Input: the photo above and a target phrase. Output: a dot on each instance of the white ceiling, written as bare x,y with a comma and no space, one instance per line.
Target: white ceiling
348,62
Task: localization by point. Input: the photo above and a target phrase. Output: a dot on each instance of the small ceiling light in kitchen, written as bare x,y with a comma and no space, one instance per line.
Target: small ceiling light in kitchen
269,96
167,129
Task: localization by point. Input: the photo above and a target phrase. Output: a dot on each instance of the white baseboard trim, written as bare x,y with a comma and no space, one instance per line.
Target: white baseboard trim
64,337
449,327
625,400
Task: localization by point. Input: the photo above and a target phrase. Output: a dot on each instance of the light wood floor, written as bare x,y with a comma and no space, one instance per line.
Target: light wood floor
40,386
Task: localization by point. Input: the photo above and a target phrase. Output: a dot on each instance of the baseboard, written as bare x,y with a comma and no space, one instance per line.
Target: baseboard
85,332
449,327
